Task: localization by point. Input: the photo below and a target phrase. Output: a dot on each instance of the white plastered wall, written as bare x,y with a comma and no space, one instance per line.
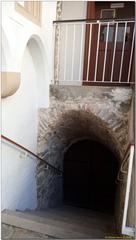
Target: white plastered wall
27,48
18,179
72,10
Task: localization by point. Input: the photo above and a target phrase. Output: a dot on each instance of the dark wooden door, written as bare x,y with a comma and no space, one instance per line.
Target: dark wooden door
110,66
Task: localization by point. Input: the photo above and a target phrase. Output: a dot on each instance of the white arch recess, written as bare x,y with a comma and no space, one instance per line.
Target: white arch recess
37,52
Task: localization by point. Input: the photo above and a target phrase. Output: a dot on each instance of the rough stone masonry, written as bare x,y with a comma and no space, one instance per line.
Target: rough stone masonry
78,112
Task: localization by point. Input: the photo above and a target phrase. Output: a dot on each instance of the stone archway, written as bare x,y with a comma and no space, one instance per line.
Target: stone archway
71,126
101,114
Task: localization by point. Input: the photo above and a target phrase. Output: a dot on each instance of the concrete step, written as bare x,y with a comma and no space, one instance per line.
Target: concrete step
57,223
85,218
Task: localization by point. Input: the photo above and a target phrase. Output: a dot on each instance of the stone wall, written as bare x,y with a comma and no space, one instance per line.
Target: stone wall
79,112
108,105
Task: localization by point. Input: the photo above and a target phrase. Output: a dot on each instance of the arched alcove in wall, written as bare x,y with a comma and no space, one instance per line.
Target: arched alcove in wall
36,52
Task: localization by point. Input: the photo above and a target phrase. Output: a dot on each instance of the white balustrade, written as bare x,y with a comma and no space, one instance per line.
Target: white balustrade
108,36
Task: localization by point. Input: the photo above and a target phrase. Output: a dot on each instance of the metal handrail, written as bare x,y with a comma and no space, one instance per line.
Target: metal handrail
94,20
125,158
127,230
30,152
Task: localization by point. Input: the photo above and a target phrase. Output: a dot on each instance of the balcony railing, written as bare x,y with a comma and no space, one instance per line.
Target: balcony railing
94,52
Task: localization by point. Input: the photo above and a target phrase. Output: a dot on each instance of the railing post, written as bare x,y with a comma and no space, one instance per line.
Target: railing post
131,54
53,55
114,50
57,39
97,51
122,56
105,54
89,51
81,52
73,52
65,54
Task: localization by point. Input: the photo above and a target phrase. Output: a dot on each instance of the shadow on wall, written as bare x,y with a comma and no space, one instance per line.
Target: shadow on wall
72,126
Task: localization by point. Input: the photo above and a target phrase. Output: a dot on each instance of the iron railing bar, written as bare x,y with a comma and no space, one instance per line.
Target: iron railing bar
105,54
89,51
65,54
97,52
131,54
115,45
30,152
81,52
73,51
94,20
58,65
53,56
94,23
123,48
108,82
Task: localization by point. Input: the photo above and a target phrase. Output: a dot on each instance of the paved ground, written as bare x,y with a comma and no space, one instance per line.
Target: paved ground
10,232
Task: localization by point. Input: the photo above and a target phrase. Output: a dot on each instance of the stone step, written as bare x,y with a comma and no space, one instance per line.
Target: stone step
103,221
81,212
47,223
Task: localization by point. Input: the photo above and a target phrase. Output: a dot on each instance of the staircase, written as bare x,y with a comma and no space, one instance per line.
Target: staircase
65,222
